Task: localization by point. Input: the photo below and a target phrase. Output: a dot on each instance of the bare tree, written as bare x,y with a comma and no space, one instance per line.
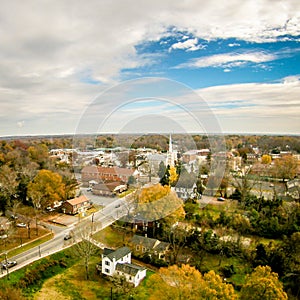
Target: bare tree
244,185
84,244
178,238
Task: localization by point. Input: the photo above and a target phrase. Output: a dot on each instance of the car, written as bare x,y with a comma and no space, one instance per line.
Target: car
118,205
221,199
67,237
8,264
22,225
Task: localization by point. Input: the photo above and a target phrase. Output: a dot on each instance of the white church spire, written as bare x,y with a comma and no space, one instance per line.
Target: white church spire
171,154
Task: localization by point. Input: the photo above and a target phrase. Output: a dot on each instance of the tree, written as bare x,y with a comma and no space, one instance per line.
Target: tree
46,188
178,238
157,202
266,159
11,293
186,282
262,283
173,176
8,184
286,167
39,154
161,169
84,246
165,179
243,186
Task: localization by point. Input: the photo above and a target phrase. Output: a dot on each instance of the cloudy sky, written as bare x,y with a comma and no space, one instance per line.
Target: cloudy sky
125,65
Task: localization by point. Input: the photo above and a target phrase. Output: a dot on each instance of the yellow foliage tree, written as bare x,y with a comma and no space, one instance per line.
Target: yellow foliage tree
173,176
262,283
186,282
286,167
266,159
157,202
46,188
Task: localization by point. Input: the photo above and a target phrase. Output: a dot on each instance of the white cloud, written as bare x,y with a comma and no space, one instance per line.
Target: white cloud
188,45
52,51
234,45
257,107
228,60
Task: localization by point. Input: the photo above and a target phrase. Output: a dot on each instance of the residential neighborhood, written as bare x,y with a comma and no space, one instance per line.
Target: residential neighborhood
136,216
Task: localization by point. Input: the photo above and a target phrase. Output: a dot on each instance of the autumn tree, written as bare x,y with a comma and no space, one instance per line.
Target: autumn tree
186,282
46,188
157,202
8,185
262,283
266,159
39,154
173,176
285,167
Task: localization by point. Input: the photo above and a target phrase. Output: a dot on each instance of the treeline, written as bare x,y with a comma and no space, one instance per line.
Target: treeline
28,174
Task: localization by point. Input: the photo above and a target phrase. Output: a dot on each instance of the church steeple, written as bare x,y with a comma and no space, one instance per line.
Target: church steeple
171,155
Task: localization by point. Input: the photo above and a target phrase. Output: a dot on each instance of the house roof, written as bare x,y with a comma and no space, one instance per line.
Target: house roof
108,170
141,240
78,200
162,246
90,169
115,170
117,254
149,243
108,186
129,269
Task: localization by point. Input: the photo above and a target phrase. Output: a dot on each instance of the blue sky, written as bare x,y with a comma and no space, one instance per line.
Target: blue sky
113,66
220,61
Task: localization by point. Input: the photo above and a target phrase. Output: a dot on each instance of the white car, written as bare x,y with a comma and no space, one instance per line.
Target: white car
8,264
22,225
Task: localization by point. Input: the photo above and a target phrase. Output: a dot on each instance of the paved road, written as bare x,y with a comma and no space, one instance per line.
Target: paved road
116,209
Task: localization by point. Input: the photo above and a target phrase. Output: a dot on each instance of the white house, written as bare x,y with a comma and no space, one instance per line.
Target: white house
118,262
133,273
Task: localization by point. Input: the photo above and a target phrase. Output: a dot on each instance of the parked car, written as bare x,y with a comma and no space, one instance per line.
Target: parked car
8,264
49,208
221,199
22,225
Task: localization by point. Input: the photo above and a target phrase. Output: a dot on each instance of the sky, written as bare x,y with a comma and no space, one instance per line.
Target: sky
149,66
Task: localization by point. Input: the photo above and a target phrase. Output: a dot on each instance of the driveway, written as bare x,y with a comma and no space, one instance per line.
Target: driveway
64,220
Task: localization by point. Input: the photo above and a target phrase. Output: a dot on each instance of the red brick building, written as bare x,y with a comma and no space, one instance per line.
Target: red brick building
105,174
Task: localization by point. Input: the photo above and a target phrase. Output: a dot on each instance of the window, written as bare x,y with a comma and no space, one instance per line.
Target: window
106,270
137,248
107,263
144,249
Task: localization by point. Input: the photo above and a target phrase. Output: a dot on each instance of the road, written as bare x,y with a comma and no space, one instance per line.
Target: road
114,209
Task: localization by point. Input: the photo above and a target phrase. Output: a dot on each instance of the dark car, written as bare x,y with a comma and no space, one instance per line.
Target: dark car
8,264
67,237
